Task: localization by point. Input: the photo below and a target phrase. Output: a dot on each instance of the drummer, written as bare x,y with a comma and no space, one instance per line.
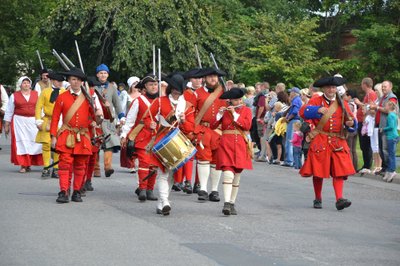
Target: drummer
233,154
178,114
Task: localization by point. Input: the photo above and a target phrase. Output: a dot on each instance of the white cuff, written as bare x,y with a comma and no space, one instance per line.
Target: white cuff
39,122
219,116
123,119
235,116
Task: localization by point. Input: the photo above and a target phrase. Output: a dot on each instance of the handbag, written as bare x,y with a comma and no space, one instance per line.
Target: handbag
130,148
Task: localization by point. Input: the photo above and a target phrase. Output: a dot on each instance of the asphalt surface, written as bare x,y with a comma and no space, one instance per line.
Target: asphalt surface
275,225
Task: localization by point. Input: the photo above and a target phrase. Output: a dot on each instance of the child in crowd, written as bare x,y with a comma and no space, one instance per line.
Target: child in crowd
297,141
392,138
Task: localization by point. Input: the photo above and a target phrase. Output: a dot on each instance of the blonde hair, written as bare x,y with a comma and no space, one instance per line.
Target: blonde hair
391,105
297,124
278,105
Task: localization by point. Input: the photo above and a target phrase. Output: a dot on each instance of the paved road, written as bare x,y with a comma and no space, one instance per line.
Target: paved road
276,224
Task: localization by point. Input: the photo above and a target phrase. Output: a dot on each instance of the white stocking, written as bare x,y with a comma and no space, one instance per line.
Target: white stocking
215,177
227,185
235,187
203,169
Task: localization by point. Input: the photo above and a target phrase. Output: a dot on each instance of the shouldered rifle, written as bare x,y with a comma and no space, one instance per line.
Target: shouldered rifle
216,66
40,59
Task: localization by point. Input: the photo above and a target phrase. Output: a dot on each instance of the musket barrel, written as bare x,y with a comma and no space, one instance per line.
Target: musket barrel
216,66
154,59
69,62
198,55
40,59
79,56
63,64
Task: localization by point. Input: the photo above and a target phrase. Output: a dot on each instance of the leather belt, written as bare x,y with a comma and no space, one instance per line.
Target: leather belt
234,132
331,134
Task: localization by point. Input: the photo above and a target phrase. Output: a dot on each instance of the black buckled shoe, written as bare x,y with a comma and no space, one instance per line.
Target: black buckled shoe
203,195
196,188
62,197
45,173
226,210
150,195
54,174
142,195
88,185
176,187
214,196
233,210
76,196
317,204
109,172
166,210
342,203
83,192
137,191
188,188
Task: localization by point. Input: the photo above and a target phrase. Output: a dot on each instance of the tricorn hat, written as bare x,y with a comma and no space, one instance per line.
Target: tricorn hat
211,71
193,73
329,81
44,70
76,72
234,93
56,76
176,82
147,78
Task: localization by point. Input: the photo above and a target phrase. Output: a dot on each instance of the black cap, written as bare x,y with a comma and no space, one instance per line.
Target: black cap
44,70
211,71
76,72
176,82
56,76
193,73
329,81
234,93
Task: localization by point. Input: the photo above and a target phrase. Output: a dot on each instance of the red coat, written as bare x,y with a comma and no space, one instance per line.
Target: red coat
327,155
208,138
191,97
232,150
81,119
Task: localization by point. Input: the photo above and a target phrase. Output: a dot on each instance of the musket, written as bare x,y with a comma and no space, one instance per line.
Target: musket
69,62
216,66
198,55
154,59
159,72
40,59
60,60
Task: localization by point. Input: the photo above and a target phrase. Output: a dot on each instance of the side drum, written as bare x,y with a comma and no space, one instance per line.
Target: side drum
174,150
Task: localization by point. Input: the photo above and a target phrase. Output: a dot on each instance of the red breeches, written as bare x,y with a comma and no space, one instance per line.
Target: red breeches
70,163
145,166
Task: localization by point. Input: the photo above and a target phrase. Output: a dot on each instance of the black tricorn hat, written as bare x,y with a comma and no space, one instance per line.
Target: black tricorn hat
211,71
147,78
234,93
329,81
76,72
193,73
56,76
92,81
176,82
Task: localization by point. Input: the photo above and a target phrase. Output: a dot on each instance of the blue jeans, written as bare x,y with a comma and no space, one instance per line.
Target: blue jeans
288,143
391,146
297,153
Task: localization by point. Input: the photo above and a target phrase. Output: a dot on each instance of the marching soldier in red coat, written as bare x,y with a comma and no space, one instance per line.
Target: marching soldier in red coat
72,140
234,153
178,113
141,128
329,153
208,105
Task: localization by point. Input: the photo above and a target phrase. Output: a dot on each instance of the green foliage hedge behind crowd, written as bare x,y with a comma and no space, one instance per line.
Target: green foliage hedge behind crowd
274,40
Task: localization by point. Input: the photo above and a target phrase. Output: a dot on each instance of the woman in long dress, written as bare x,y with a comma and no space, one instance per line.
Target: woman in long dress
20,121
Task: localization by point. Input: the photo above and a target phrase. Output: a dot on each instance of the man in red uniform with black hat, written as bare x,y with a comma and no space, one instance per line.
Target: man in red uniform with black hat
208,105
72,140
329,153
141,128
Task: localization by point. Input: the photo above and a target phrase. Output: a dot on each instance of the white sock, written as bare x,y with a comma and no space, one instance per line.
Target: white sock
215,177
163,186
235,187
203,169
227,185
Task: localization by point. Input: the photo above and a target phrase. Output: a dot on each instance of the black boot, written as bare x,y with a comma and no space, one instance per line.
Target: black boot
317,204
233,210
176,187
137,191
109,172
342,203
214,196
196,188
62,197
150,195
83,191
45,173
54,174
142,195
226,210
76,196
88,185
